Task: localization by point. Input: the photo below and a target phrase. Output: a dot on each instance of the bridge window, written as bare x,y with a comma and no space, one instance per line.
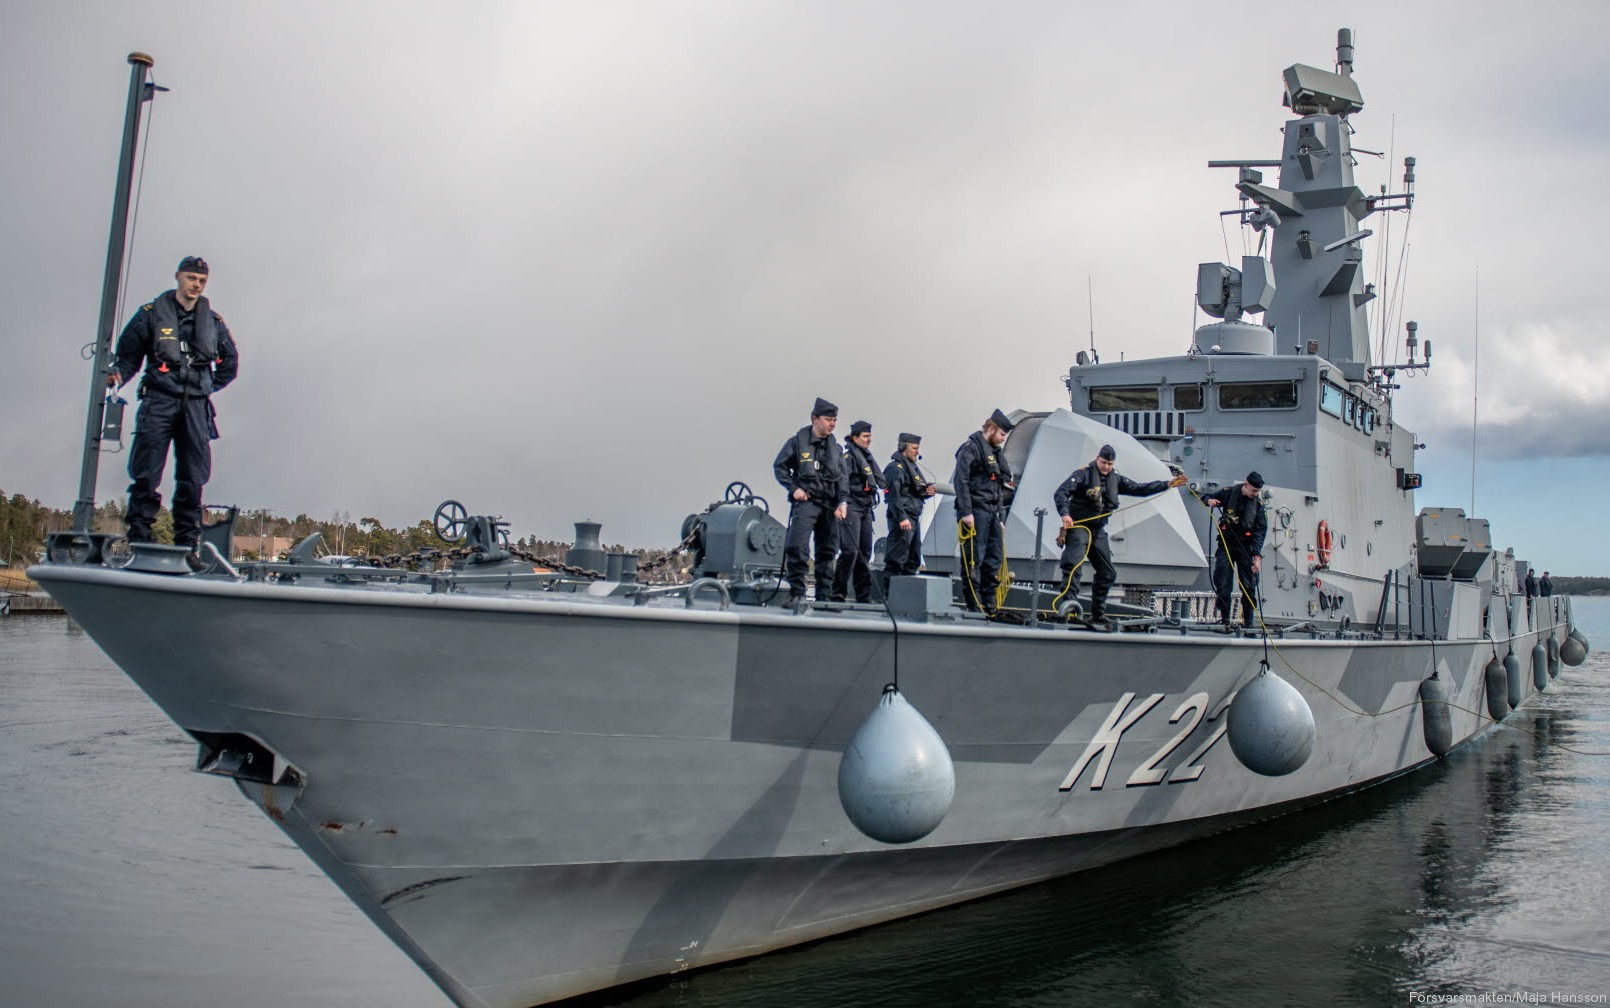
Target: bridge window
1118,400
1258,395
1330,399
1187,397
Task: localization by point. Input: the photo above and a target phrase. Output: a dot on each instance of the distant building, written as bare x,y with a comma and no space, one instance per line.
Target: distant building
266,547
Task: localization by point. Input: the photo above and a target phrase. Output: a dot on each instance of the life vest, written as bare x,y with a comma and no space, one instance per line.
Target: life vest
1093,478
199,351
997,471
816,471
1240,520
915,486
861,464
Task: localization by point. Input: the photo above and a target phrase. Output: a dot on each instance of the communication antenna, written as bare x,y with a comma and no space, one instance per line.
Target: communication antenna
1475,389
1090,302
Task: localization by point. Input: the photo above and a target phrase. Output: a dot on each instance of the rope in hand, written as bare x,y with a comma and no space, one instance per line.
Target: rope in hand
1270,645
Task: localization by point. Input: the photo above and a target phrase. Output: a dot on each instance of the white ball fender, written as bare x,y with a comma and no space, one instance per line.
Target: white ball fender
896,779
1271,726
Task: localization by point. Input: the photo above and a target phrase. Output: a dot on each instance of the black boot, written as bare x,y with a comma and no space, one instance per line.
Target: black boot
194,560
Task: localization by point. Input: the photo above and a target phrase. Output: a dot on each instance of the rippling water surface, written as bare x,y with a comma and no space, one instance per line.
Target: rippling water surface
126,879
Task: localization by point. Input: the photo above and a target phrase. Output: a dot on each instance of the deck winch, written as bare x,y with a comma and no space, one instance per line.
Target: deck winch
736,537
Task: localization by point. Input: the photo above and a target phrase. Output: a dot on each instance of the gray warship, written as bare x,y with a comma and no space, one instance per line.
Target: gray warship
546,782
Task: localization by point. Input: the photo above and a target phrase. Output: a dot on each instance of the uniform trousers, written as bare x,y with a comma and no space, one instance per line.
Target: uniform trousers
1100,559
983,553
807,519
902,551
1223,586
853,568
185,424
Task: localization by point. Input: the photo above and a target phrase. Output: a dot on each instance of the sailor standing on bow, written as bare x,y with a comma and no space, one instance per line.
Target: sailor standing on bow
811,468
908,491
188,355
1242,528
855,531
984,485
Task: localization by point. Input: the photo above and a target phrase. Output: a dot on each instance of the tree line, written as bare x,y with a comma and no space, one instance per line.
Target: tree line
1580,585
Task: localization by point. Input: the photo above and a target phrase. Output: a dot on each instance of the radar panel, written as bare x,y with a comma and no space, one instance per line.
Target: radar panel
1310,91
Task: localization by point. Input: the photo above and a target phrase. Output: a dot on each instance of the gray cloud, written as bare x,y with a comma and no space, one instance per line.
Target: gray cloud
594,261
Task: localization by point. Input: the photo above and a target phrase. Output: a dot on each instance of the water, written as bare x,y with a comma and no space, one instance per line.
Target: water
128,879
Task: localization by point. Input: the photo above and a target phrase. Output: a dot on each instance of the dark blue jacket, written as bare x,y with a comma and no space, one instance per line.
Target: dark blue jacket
907,489
982,477
815,465
1244,524
187,373
864,480
1072,497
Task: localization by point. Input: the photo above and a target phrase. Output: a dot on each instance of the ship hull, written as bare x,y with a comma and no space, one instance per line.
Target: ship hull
536,798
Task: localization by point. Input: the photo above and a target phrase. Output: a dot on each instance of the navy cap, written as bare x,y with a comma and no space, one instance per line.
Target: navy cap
999,419
192,264
1255,479
824,408
860,427
906,439
1107,453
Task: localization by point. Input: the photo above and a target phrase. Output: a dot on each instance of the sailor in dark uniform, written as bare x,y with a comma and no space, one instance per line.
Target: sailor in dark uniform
854,562
811,468
1545,586
1531,588
1242,528
902,553
188,354
983,490
1085,500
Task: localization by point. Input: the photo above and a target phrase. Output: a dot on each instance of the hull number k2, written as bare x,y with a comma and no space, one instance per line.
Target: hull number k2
1124,715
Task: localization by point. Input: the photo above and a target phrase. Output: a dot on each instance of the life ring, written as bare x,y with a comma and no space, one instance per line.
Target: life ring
1324,543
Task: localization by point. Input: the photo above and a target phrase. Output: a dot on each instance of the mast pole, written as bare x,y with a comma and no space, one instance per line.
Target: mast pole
139,92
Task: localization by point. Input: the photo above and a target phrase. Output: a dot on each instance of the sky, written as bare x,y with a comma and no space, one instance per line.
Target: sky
595,260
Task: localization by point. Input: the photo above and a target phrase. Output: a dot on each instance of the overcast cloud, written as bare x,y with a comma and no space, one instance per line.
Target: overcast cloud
595,260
